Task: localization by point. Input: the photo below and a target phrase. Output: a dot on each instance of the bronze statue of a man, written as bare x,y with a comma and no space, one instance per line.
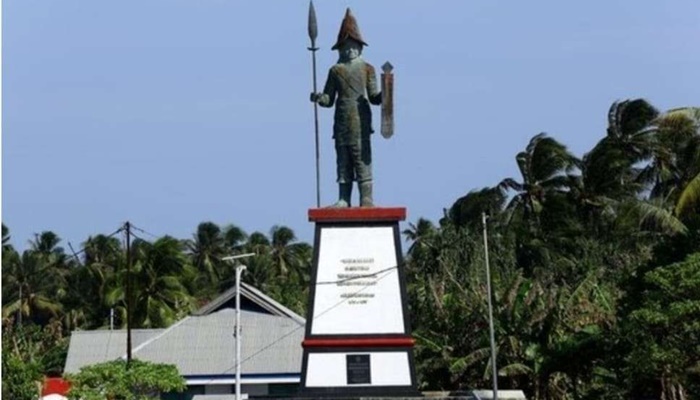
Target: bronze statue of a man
352,87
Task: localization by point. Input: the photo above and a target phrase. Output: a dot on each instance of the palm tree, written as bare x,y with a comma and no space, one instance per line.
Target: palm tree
31,288
260,267
639,155
9,257
629,127
90,282
675,170
544,165
6,246
104,250
688,204
676,158
611,170
290,256
425,246
291,267
234,238
159,298
674,162
36,281
419,233
206,249
467,210
541,200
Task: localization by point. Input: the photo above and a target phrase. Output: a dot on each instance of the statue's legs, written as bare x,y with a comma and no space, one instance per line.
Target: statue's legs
366,194
345,175
354,163
363,167
344,193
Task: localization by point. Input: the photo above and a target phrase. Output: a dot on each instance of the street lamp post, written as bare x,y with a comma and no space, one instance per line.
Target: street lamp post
239,270
494,370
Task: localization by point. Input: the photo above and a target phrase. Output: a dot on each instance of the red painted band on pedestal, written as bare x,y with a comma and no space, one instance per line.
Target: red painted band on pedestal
368,342
357,214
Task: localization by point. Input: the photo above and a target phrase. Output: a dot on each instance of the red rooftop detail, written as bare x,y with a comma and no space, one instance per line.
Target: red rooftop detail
55,386
357,214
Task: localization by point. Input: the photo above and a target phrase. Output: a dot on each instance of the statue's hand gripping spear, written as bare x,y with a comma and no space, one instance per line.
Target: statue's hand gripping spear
313,32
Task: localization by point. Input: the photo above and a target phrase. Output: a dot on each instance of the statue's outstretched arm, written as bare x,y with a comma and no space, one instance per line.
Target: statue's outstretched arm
327,98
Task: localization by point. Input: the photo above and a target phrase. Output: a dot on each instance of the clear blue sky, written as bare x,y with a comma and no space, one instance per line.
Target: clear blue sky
168,113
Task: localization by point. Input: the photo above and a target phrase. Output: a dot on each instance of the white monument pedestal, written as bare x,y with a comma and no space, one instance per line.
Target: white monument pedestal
358,337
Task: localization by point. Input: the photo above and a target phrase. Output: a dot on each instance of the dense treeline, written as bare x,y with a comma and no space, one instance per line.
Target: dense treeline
170,277
48,292
595,267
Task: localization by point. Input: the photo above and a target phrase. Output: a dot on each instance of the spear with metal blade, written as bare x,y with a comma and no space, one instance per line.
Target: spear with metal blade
313,32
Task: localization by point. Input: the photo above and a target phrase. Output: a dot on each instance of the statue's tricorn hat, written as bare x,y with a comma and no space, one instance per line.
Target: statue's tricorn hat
348,30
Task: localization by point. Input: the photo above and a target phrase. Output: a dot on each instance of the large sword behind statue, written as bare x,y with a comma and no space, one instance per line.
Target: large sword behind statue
313,32
387,100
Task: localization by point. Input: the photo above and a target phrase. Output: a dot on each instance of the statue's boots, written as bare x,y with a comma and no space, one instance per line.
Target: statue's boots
366,194
345,191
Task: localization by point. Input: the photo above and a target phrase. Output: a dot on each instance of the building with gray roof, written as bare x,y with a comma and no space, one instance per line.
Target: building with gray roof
202,347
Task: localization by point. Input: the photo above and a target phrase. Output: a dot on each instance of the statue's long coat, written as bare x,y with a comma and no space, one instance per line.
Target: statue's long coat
352,87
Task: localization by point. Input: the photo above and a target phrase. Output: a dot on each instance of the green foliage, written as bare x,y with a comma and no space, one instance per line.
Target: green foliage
467,210
139,380
689,200
33,284
20,380
664,330
569,250
28,353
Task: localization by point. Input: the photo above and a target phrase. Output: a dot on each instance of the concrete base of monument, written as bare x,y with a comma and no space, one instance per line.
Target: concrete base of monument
347,372
358,341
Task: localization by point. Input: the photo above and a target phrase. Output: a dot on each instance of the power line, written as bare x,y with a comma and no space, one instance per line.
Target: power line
83,249
144,231
137,236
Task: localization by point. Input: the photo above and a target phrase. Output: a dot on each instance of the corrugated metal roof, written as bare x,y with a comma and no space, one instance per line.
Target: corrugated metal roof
92,347
204,345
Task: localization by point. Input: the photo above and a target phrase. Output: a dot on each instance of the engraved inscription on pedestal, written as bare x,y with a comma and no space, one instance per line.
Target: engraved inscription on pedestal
357,287
358,275
358,369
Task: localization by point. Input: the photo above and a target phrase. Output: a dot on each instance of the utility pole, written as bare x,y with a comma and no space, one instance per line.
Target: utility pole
19,311
237,334
239,271
494,370
127,227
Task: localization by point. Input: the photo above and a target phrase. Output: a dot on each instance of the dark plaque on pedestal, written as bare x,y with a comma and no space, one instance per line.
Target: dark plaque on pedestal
358,369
